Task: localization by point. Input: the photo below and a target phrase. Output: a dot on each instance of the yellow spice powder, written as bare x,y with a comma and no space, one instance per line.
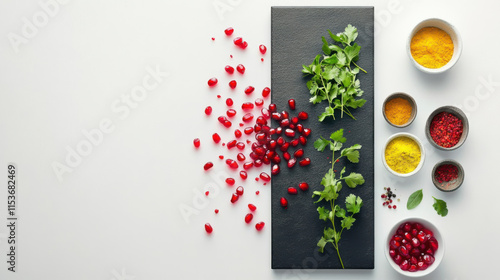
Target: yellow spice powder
431,47
402,155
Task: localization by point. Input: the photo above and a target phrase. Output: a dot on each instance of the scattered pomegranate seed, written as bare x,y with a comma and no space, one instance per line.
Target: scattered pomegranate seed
247,106
196,142
231,113
259,102
249,89
212,82
298,153
292,190
303,115
237,133
218,96
240,145
232,84
229,31
291,104
240,68
302,140
306,132
306,161
208,110
216,137
208,165
303,186
239,190
221,157
266,91
248,218
208,228
233,164
272,107
291,163
275,170
283,202
216,211
243,174
264,176
247,117
257,192
252,207
248,130
262,49
207,193
238,41
259,226
230,181
213,38
229,69
244,45
240,157
231,144
289,132
234,198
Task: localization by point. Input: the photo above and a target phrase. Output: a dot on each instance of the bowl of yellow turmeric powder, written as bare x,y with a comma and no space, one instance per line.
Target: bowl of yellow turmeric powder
403,154
434,46
399,109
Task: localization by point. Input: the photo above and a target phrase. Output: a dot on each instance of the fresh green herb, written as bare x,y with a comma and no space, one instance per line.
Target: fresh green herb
332,188
334,75
440,207
414,199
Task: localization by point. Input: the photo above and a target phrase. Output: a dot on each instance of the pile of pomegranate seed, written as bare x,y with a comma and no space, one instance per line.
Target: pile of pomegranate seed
388,197
413,247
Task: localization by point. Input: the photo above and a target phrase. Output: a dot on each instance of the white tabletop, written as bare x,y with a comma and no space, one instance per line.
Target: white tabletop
131,76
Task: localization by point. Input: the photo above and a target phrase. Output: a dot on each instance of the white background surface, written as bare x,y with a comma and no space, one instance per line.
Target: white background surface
116,215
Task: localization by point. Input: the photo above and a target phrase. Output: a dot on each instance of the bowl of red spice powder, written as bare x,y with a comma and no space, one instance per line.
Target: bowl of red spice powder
448,175
447,128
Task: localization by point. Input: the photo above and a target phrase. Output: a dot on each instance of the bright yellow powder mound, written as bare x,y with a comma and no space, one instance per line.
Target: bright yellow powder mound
431,47
402,155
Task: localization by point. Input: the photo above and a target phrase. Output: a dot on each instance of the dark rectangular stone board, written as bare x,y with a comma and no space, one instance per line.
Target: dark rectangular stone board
295,40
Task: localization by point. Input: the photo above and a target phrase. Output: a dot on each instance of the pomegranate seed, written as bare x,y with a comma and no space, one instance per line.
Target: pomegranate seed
216,137
243,175
262,49
212,82
234,198
229,31
272,144
239,190
238,41
229,102
413,268
231,113
285,123
240,68
247,165
227,124
276,116
222,119
221,157
247,117
298,153
272,107
266,160
208,110
233,164
216,211
260,136
303,186
208,165
196,142
292,190
264,176
259,226
306,161
230,181
240,157
237,133
283,202
302,140
248,218
257,192
247,106
294,142
240,145
257,128
279,130
289,132
244,45
231,144
394,207
286,156
259,102
229,69
275,170
291,104
291,162
265,113
306,132
249,89
252,207
300,127
248,130
261,121
258,163
303,115
285,114
208,228
266,91
232,84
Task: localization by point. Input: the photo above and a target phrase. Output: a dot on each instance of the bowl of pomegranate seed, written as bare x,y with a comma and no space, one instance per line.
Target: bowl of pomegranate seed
448,175
414,247
447,128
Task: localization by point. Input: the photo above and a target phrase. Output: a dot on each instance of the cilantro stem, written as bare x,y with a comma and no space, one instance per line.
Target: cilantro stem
359,67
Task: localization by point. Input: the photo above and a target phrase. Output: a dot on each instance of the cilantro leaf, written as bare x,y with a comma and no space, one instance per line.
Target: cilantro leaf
352,153
321,244
414,199
321,144
338,136
354,179
347,222
323,213
351,33
440,207
353,203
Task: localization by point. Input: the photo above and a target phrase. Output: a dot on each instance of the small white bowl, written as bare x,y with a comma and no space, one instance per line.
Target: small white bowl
422,153
446,27
438,257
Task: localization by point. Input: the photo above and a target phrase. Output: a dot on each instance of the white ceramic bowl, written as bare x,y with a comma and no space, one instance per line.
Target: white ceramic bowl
446,27
422,153
438,255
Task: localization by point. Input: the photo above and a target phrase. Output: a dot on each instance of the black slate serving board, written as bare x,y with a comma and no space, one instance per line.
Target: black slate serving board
296,39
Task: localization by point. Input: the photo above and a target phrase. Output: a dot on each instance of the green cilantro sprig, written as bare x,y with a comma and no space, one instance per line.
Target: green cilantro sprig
332,187
334,75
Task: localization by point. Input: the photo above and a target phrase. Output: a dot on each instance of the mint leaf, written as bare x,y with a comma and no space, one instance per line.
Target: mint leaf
440,207
354,179
414,199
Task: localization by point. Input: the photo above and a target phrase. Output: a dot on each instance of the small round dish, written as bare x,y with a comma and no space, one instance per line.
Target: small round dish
422,153
438,254
400,95
446,27
446,165
457,113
